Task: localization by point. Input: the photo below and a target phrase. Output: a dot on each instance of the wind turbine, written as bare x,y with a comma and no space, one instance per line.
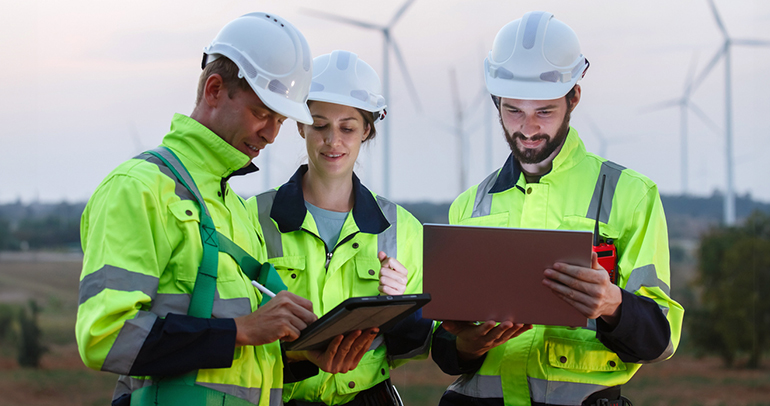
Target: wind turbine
462,140
138,147
604,141
388,43
685,105
724,52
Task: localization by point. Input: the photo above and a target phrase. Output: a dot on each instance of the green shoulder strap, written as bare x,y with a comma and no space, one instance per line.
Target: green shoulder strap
202,299
181,390
262,273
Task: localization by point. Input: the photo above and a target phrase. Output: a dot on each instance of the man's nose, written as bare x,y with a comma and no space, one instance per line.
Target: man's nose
270,131
530,127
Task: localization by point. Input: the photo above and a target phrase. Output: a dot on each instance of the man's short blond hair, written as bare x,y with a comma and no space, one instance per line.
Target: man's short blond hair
228,70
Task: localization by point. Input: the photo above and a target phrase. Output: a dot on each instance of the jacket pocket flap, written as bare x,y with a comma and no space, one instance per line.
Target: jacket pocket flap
368,268
185,210
582,355
290,263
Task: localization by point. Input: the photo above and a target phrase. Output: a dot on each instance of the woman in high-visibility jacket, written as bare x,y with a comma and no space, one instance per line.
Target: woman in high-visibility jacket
330,238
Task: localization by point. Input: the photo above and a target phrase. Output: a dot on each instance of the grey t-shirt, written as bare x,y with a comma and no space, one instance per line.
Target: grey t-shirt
329,224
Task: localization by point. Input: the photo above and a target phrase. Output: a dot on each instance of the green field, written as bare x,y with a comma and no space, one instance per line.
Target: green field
63,380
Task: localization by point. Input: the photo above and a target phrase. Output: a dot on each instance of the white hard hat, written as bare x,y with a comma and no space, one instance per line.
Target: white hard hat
536,57
272,56
341,78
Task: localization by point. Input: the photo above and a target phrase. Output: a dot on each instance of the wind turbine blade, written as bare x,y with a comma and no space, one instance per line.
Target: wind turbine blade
718,19
752,42
441,125
399,13
407,78
341,19
708,68
705,118
662,105
479,100
596,130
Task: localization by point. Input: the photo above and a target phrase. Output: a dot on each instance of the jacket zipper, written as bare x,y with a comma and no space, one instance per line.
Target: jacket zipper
329,254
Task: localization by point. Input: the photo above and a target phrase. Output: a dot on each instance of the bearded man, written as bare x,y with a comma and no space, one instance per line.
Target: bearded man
550,181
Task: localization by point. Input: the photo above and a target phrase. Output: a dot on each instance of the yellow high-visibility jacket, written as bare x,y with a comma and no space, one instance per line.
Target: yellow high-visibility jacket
560,365
142,249
329,275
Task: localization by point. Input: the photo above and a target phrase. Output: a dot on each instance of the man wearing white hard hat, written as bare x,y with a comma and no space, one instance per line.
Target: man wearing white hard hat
171,292
550,181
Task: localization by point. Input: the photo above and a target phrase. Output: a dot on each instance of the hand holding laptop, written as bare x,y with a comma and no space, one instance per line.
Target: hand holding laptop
589,290
475,340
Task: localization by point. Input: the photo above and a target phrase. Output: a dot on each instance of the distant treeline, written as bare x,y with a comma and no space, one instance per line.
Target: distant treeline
39,226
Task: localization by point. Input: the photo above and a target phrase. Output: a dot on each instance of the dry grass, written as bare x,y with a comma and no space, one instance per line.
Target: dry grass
62,379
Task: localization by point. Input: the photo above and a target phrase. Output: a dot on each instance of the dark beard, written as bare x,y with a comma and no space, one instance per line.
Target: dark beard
534,156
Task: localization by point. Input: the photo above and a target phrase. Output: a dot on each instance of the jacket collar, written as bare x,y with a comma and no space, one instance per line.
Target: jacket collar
201,147
289,206
571,153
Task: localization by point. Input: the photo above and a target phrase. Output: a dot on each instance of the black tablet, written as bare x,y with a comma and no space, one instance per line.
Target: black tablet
357,313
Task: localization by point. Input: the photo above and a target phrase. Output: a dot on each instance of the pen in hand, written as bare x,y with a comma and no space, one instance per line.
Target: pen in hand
262,289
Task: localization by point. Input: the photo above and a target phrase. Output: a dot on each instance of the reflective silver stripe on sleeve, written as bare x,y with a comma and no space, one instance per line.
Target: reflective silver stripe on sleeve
612,171
377,342
482,206
269,229
478,386
646,276
591,325
178,303
387,241
114,278
250,394
276,397
669,351
179,188
560,393
182,172
129,342
127,384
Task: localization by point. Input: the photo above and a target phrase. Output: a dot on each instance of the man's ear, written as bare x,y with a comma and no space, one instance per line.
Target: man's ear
214,89
575,98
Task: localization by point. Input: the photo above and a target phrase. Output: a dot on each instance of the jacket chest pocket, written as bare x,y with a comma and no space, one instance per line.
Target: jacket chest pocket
580,223
368,276
492,220
564,353
188,249
292,270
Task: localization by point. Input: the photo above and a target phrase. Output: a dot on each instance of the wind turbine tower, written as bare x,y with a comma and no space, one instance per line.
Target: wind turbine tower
724,52
685,105
388,43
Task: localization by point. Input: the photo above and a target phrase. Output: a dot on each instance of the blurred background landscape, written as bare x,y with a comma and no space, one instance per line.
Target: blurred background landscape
677,90
724,362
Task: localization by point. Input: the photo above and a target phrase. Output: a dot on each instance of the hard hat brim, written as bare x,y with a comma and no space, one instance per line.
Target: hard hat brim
329,97
297,111
523,90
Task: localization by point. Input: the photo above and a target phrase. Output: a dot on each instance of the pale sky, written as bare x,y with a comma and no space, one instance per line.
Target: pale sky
87,84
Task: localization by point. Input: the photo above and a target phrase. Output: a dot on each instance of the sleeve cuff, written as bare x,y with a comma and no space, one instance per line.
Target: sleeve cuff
297,371
444,353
